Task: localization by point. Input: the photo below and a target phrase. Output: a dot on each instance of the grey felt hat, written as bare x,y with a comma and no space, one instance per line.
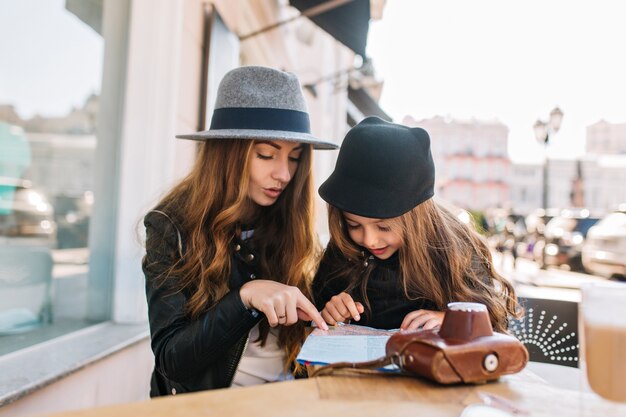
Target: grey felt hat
260,103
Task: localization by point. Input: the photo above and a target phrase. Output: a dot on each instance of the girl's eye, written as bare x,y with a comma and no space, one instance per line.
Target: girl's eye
353,226
384,228
264,157
294,158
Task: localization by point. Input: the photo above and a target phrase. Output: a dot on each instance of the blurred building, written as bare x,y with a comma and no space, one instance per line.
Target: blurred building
606,138
595,182
9,115
62,164
475,172
471,159
78,121
63,148
526,185
604,181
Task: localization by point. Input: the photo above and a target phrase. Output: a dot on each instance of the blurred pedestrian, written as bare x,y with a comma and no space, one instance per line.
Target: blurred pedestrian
510,241
231,249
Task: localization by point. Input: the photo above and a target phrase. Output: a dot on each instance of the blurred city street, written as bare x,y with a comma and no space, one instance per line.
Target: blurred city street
552,283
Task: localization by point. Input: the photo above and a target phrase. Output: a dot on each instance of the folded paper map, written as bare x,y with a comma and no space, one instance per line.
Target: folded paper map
344,343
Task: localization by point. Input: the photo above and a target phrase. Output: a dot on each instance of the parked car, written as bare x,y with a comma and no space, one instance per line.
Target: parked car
25,212
564,238
604,252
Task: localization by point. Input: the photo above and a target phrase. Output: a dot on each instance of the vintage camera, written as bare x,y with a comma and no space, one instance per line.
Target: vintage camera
464,350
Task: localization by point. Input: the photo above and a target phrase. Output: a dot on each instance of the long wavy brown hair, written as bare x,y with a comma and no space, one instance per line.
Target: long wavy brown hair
212,203
441,259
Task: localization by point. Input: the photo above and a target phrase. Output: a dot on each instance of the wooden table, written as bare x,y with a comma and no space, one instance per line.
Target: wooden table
361,396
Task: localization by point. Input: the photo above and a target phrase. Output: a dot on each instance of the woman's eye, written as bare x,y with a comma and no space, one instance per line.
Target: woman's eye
384,228
352,226
294,158
264,157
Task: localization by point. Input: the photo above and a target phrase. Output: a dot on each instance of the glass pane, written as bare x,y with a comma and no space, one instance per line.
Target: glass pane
50,81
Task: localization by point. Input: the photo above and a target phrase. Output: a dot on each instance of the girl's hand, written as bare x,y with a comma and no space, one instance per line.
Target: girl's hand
341,308
281,304
426,319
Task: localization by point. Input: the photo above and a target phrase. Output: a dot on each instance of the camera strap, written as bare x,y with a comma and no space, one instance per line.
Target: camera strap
375,366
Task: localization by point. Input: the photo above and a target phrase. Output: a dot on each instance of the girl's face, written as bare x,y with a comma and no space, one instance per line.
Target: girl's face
373,234
272,165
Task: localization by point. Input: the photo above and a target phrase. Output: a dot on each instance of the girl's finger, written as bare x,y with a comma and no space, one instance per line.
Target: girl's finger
411,325
337,317
360,307
351,306
339,303
432,323
328,318
409,318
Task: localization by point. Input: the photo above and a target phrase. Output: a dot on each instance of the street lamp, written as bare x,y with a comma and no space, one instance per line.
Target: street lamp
543,132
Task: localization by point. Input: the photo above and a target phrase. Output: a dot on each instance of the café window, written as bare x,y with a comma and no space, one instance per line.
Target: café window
50,78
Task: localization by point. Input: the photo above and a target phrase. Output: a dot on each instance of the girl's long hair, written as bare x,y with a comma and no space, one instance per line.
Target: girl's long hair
441,259
212,203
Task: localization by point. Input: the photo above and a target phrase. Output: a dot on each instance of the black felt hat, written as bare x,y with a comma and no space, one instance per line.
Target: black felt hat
383,170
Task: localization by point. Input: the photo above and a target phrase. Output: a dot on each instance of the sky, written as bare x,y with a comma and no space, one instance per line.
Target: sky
512,61
50,60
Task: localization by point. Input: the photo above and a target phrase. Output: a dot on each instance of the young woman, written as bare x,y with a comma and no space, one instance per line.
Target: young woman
396,258
231,249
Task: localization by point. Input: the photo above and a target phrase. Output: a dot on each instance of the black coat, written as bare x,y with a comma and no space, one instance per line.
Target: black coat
389,305
193,355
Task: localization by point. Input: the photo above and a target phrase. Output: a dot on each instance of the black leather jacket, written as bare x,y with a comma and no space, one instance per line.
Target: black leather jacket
193,355
389,305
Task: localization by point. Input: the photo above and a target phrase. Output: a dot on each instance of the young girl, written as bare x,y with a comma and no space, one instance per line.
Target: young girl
395,256
231,249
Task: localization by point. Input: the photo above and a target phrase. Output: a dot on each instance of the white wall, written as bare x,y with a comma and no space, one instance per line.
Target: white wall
150,159
120,378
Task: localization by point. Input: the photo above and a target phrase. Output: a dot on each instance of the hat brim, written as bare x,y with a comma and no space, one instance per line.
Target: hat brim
260,134
367,200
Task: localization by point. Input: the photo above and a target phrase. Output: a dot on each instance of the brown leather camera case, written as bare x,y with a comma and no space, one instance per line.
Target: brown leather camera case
450,361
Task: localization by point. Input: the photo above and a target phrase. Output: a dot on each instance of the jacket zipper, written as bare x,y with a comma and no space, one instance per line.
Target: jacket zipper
238,359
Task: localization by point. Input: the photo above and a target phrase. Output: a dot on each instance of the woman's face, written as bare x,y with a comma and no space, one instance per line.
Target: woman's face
272,165
375,235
